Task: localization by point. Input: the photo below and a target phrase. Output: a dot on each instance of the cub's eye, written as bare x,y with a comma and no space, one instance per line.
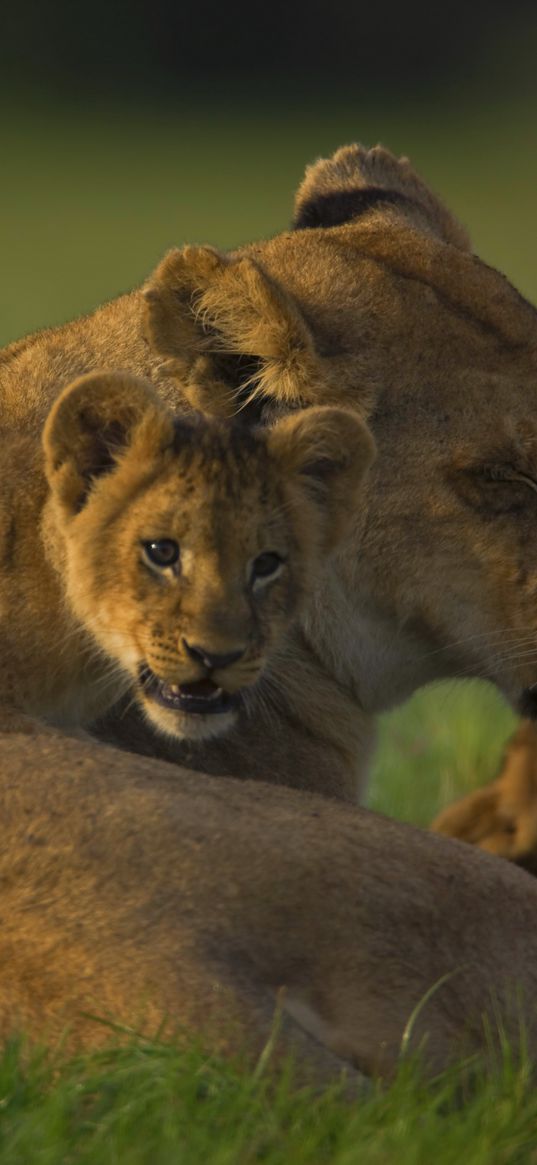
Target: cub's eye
265,565
164,552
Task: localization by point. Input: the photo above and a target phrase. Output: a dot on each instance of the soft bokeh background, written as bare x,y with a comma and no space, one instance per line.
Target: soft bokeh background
127,128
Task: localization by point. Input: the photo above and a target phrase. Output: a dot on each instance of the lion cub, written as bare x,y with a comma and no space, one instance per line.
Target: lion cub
163,554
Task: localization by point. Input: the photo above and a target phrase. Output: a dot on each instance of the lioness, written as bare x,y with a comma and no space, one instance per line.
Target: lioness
169,554
169,903
389,314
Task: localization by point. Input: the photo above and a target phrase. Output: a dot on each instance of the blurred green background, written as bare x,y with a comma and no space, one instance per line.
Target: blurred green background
133,130
92,196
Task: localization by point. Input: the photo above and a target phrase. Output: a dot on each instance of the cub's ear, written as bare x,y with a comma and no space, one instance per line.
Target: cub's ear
356,181
92,424
328,451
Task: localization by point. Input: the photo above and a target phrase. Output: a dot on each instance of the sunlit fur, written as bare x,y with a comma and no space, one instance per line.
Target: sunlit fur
139,897
389,314
121,472
501,817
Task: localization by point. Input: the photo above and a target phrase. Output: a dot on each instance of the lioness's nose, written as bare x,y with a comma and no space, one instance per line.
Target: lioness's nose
209,659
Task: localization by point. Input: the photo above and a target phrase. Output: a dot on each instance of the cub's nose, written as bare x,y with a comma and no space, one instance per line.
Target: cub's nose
210,659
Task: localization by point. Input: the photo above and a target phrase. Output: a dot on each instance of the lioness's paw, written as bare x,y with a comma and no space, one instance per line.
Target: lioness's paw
502,817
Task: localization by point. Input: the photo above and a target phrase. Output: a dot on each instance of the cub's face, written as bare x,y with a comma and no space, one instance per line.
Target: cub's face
192,579
193,547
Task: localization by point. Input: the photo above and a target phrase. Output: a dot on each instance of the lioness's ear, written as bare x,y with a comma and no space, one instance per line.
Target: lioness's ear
329,451
91,425
172,296
233,336
177,326
356,181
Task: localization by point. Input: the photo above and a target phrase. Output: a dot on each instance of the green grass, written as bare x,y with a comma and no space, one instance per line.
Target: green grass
149,1105
155,1105
90,200
446,741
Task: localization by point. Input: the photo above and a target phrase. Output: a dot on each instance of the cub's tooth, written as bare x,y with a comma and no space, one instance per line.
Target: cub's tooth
174,689
217,694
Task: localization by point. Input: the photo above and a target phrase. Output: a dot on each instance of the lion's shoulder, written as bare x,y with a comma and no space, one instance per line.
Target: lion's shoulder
35,369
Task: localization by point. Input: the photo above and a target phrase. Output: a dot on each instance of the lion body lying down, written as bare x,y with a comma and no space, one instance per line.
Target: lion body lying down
168,902
389,314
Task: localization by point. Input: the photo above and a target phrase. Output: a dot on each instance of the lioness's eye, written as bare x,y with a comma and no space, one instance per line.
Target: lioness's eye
524,478
163,552
265,565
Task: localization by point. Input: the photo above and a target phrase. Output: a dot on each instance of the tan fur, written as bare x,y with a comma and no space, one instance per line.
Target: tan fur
170,903
119,474
388,314
354,168
502,817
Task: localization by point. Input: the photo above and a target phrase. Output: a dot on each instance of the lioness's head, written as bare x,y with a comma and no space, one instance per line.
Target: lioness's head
192,544
389,314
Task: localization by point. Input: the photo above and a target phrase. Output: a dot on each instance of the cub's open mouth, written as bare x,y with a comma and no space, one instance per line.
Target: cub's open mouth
201,697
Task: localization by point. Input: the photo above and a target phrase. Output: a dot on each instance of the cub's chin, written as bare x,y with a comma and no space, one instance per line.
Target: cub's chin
195,711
